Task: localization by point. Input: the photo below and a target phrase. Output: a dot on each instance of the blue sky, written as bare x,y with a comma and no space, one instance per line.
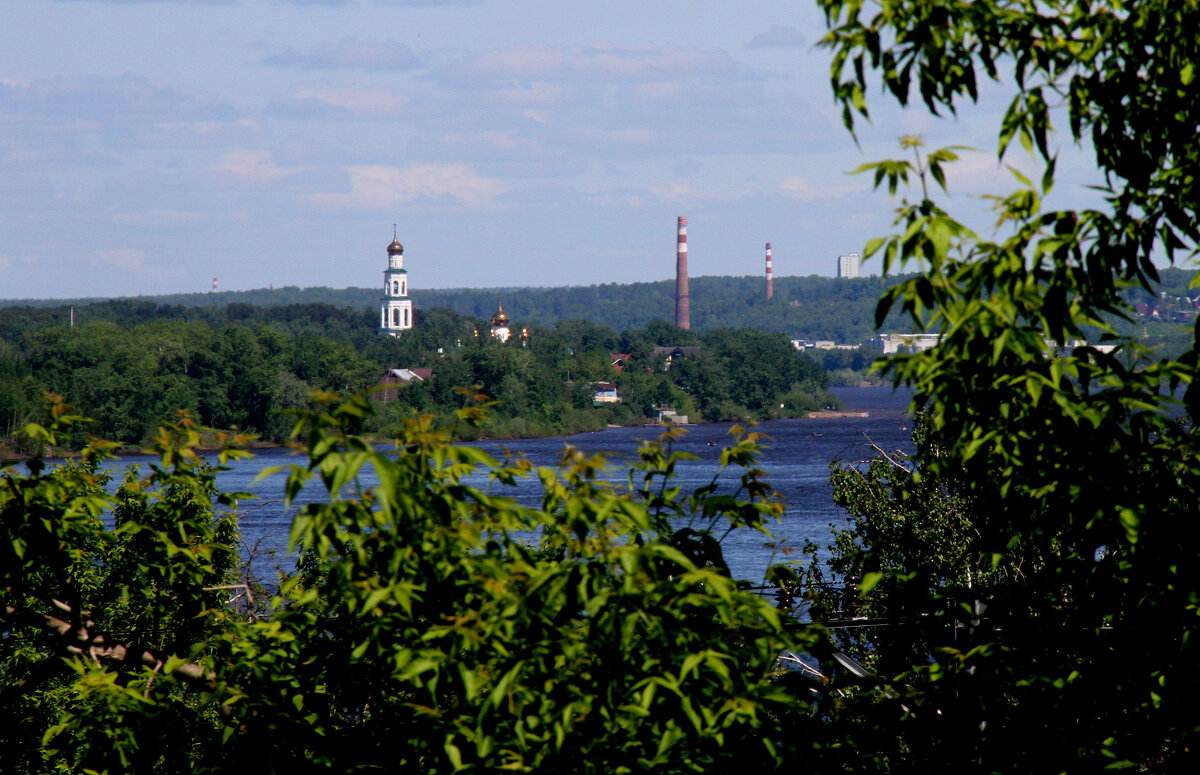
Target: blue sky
148,146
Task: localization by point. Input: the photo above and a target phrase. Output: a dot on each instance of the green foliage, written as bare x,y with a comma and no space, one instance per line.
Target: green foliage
914,540
103,623
134,378
15,407
548,387
1039,593
848,368
810,307
744,374
431,626
132,375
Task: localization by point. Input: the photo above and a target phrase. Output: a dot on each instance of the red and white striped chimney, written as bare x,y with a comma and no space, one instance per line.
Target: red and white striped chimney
214,290
770,285
683,308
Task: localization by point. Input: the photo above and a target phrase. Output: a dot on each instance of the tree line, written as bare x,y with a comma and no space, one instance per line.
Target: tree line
803,307
810,308
246,367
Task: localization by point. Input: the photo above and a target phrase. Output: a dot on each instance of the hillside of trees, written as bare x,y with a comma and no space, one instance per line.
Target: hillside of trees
810,308
803,307
132,364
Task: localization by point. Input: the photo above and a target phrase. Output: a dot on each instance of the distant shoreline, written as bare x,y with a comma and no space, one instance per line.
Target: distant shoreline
10,454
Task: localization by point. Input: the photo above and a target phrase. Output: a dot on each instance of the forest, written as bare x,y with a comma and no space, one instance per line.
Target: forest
134,364
1018,596
809,308
802,307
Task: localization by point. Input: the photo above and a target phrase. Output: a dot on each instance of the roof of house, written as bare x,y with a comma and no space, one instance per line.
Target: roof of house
674,352
407,375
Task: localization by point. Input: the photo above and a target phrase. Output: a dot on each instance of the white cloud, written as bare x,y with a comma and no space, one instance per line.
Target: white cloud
658,91
804,190
350,53
632,63
252,165
429,3
638,136
539,93
403,3
159,2
798,188
122,99
778,37
618,200
499,140
677,192
381,187
319,101
118,112
160,218
176,134
124,258
982,173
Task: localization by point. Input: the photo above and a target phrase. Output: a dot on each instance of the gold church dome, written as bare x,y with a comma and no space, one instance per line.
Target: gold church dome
395,247
500,319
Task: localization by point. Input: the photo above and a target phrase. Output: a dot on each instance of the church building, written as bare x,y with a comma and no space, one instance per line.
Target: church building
500,329
395,314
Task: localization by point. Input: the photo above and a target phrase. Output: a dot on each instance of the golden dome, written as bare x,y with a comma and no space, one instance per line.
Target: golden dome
395,247
499,319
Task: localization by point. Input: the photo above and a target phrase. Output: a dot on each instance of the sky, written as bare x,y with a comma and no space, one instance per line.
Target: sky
148,146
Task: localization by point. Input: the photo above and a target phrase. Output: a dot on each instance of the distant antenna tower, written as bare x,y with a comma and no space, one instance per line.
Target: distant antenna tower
770,285
214,290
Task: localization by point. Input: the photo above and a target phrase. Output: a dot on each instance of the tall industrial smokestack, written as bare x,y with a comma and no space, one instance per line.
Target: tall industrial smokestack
770,286
683,308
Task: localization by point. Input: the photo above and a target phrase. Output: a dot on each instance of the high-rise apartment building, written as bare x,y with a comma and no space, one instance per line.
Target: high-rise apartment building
848,265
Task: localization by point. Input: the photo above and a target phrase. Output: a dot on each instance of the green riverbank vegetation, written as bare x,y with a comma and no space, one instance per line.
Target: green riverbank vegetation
248,367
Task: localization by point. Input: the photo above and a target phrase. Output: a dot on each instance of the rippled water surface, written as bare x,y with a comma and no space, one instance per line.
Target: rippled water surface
795,457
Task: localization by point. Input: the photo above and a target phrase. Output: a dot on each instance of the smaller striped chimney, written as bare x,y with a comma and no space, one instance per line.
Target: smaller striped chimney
770,285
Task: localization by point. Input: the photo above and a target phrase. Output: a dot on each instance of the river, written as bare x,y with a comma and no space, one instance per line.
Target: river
795,456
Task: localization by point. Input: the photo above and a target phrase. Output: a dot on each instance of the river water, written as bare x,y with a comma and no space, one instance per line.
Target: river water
795,456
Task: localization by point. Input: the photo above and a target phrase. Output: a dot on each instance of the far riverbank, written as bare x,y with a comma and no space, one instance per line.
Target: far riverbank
857,402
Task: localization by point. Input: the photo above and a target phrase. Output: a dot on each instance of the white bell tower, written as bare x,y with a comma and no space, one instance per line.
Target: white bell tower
395,314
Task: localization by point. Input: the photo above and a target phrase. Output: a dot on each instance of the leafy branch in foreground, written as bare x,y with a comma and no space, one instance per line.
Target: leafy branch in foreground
432,625
1072,471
